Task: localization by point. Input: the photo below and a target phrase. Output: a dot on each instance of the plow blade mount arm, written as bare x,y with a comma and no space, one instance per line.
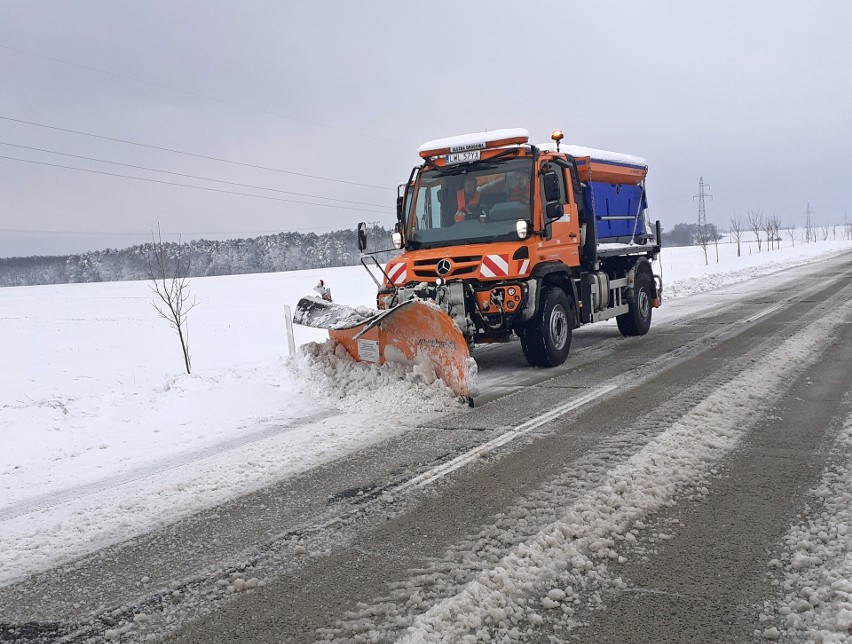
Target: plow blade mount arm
409,333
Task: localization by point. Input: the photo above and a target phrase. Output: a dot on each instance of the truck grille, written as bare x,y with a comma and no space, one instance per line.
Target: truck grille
460,266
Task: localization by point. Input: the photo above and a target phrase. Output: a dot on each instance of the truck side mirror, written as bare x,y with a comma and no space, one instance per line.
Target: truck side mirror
362,236
551,186
553,210
399,201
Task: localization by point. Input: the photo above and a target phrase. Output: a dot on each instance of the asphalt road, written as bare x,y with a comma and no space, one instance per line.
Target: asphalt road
420,531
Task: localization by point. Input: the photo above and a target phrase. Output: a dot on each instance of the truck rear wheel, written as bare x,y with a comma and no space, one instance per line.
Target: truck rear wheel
637,321
546,339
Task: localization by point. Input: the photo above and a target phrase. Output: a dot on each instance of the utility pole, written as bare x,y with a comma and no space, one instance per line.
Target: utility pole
702,216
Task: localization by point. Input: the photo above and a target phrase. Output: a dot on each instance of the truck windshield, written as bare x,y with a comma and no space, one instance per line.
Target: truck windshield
473,203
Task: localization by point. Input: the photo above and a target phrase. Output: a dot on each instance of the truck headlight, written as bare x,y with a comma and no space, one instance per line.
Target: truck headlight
397,240
522,227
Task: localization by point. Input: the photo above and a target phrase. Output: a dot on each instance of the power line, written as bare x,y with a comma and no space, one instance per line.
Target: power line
185,185
191,154
190,176
198,95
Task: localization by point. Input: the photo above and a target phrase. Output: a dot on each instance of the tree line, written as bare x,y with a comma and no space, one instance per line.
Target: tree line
269,253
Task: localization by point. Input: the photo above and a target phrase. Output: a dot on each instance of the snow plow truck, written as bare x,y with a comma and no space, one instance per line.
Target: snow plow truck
500,239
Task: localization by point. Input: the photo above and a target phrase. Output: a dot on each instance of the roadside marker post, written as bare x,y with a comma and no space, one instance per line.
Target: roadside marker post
288,319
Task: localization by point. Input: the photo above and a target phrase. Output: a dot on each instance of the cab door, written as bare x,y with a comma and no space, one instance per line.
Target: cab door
563,239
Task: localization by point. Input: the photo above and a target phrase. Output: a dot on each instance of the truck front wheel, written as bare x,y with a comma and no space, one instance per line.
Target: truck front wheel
637,321
546,339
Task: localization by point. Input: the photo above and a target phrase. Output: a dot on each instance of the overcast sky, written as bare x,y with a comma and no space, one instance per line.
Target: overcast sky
755,97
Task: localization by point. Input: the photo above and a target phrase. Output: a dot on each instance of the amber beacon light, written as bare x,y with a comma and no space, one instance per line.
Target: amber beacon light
557,135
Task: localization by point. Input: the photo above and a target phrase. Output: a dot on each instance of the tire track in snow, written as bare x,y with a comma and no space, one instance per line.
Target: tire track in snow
817,558
565,561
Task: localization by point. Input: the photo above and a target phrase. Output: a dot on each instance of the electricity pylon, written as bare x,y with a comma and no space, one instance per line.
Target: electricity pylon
703,237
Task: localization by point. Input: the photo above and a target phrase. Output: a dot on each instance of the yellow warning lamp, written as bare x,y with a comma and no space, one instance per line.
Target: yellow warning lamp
557,135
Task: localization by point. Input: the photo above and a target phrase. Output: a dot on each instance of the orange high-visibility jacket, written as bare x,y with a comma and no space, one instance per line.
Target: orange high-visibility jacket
460,200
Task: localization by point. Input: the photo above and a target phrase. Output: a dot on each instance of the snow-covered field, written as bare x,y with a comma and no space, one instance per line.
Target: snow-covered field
105,437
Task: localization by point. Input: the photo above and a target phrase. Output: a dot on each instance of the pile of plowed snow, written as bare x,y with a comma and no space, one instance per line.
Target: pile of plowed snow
330,373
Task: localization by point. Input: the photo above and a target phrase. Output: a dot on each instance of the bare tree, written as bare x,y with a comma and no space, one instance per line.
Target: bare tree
717,235
774,234
791,232
825,233
755,224
737,230
703,239
768,228
169,282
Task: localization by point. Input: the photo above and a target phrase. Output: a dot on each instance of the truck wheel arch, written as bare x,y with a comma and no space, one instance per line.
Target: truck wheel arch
559,275
643,267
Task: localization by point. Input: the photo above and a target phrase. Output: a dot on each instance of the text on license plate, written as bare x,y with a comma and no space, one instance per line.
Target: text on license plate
463,157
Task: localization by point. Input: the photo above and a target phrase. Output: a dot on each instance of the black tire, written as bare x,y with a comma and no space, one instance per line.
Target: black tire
546,339
637,321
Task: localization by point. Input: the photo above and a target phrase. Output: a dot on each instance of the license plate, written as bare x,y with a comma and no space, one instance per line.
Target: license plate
463,157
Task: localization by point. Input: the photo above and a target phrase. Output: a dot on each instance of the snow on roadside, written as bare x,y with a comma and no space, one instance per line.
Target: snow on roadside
115,461
58,442
371,402
692,276
564,564
817,560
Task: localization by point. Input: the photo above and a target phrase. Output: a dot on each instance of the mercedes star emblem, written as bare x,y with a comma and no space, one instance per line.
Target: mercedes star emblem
444,267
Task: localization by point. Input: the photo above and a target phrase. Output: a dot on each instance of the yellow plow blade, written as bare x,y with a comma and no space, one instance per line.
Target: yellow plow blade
408,334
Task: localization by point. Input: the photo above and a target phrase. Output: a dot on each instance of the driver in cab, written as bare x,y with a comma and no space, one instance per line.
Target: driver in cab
517,187
467,199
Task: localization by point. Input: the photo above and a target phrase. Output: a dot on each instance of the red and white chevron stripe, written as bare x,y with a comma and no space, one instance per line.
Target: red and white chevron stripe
524,267
494,266
397,273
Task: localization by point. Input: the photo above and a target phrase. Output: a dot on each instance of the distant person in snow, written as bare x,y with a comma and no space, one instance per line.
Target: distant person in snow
323,290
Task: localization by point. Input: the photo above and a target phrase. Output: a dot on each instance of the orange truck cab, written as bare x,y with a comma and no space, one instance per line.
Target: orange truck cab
542,239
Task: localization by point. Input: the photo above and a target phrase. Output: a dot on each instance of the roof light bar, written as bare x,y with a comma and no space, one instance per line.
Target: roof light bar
475,141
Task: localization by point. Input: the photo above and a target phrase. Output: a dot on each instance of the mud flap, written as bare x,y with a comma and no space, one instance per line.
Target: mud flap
409,333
